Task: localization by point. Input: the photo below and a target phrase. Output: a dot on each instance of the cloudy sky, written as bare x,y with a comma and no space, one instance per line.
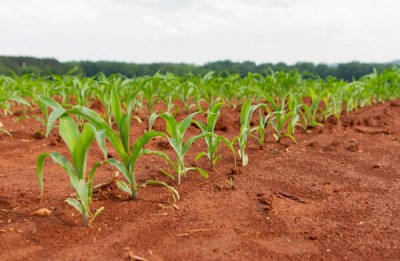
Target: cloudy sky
198,31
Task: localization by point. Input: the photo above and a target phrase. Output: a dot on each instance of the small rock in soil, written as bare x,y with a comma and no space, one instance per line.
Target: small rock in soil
43,212
312,237
377,166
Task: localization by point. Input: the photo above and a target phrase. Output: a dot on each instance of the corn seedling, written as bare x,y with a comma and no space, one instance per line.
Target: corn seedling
213,141
260,128
78,144
245,130
309,112
185,91
294,106
150,87
281,116
176,132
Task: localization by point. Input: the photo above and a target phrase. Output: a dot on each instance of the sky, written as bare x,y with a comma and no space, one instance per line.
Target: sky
190,31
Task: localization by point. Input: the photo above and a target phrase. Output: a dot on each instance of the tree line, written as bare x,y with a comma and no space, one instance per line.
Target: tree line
19,65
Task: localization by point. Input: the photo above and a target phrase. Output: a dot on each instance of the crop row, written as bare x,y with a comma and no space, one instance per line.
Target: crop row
281,101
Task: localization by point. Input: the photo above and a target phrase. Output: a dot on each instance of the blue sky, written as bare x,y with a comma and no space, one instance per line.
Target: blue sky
192,31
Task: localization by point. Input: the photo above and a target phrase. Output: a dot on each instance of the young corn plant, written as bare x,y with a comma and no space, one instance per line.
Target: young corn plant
310,112
213,141
245,130
260,129
334,100
282,117
120,140
176,132
294,106
150,87
78,144
184,92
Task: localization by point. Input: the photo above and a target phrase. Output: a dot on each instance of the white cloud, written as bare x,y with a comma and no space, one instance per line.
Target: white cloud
202,30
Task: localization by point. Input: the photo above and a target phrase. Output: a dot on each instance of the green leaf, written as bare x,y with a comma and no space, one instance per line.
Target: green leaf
96,214
200,170
185,123
124,187
49,102
6,132
57,158
124,126
54,115
69,131
39,169
172,126
229,145
19,100
152,118
244,111
116,106
82,193
162,155
216,159
140,143
177,147
201,125
101,140
213,115
81,149
166,173
120,166
192,139
174,192
93,170
76,204
200,155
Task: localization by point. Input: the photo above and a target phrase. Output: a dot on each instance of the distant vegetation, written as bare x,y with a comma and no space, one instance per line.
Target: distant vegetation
23,65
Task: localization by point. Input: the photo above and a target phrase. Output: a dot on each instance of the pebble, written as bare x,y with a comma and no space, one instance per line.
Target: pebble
43,212
377,166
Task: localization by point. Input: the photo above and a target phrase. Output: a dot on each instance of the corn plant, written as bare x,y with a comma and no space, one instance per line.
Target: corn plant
213,141
294,106
245,130
280,115
78,144
310,112
167,91
150,87
185,91
260,128
176,132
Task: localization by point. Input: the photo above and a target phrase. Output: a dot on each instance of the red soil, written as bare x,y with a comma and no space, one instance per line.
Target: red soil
333,196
